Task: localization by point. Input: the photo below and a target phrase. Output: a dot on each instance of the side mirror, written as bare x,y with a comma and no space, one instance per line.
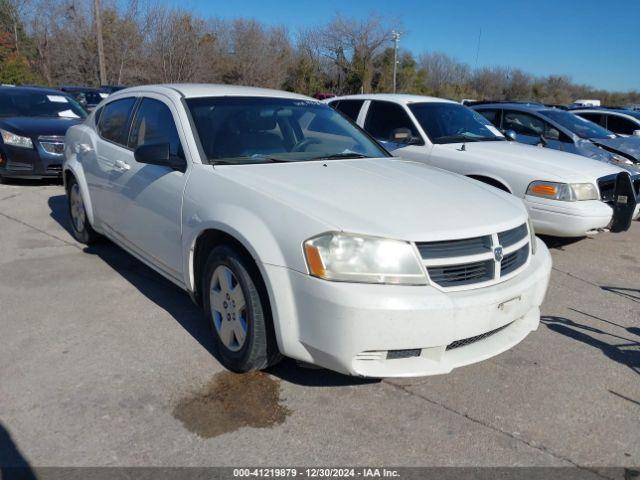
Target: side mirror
543,140
636,133
511,135
159,154
403,135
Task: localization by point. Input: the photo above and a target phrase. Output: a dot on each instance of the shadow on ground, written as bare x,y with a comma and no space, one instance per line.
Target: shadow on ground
178,304
632,294
621,349
558,243
13,464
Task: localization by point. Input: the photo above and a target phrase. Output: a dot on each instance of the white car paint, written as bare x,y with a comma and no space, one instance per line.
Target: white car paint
157,215
513,165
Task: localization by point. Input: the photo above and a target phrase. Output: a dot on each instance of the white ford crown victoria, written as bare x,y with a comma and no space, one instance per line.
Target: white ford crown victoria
567,195
300,236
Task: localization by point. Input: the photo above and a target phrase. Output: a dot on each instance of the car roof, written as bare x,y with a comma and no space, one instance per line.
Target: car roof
622,111
77,88
531,107
401,98
24,89
194,90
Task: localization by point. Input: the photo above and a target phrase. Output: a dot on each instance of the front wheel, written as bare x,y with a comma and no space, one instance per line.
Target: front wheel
80,227
236,306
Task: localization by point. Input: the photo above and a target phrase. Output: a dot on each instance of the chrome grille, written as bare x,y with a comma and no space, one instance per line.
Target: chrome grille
477,261
52,144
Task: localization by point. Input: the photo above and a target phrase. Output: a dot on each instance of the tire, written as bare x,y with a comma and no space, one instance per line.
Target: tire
243,337
81,229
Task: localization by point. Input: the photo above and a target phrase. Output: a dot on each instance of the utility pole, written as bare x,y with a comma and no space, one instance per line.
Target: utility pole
395,36
101,65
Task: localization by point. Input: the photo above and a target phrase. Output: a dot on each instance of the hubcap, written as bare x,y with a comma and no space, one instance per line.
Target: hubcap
78,214
229,308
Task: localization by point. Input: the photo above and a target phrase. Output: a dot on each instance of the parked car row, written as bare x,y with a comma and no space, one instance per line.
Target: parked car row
566,195
299,234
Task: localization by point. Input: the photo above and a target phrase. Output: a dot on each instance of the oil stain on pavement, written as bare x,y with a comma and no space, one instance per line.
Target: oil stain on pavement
232,401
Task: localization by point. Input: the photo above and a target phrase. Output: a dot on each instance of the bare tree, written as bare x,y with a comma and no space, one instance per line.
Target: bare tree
353,44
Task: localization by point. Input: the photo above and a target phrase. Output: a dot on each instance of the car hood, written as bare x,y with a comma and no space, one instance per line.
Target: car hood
386,197
35,126
544,163
623,145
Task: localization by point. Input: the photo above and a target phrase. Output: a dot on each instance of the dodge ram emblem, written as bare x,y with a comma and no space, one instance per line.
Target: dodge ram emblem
497,254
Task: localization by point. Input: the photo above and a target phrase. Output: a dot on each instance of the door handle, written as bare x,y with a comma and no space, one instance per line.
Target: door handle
121,166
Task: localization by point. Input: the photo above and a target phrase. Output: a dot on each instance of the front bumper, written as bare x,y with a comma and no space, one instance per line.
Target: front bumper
351,327
17,162
567,219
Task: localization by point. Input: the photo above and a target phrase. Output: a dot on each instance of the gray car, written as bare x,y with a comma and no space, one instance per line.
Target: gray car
537,124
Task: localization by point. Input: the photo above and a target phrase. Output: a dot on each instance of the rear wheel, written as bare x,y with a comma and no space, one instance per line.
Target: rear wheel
80,226
238,311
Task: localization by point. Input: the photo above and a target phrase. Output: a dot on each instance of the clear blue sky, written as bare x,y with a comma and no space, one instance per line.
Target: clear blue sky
596,42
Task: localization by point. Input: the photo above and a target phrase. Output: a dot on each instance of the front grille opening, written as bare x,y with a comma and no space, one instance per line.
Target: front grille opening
454,248
513,236
514,260
607,186
395,354
468,341
463,274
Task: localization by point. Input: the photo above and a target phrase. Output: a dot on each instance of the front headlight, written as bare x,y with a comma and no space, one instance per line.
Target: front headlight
10,138
532,237
347,257
567,192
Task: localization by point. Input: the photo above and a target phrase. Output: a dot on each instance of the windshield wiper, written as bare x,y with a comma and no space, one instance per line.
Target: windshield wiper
455,138
343,155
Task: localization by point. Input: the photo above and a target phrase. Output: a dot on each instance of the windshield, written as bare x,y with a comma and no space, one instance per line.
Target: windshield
580,126
453,123
242,130
37,104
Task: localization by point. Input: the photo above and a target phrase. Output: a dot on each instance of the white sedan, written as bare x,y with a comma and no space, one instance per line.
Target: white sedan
567,195
300,236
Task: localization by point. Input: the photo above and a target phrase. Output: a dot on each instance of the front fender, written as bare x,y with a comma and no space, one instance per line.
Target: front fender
73,166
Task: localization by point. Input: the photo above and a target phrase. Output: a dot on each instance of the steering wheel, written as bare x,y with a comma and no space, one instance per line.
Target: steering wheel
303,144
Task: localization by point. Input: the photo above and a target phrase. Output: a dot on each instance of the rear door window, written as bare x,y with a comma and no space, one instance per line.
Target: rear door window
351,108
385,117
115,120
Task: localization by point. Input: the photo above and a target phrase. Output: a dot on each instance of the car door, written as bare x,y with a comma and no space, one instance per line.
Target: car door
528,127
383,118
148,198
110,149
